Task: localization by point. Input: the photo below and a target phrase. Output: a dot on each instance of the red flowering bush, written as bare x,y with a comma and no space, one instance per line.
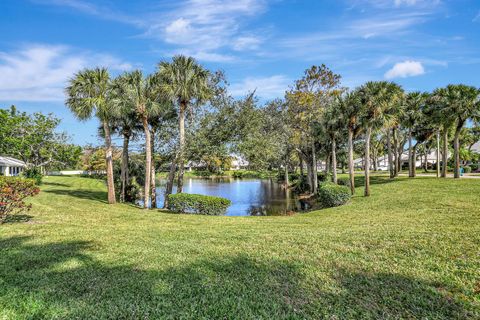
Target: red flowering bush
13,192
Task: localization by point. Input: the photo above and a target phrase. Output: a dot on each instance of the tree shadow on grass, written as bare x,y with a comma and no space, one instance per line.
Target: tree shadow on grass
17,218
100,196
56,184
62,280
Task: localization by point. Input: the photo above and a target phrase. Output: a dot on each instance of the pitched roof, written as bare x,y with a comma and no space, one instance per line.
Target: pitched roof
11,162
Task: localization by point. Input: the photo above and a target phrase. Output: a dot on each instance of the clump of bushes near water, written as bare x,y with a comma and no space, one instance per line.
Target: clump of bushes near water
332,195
198,204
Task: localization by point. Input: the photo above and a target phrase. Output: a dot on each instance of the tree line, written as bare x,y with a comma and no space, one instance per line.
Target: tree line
316,119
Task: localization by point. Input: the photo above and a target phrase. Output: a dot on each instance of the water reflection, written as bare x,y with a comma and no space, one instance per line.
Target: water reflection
257,197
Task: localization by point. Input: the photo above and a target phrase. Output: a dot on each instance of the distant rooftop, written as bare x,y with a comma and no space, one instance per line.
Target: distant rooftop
11,162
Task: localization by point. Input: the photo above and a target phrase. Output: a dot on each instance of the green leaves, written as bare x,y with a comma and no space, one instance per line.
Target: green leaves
198,204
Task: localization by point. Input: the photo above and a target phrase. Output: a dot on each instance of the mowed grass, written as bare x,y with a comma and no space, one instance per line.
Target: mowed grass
411,250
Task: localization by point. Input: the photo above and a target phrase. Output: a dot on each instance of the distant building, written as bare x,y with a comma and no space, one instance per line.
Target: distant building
11,166
382,162
239,163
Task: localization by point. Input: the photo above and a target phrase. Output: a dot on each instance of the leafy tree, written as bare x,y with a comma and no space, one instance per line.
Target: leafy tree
34,139
88,94
307,102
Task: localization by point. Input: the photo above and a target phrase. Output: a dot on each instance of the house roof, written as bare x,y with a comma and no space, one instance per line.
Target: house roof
11,162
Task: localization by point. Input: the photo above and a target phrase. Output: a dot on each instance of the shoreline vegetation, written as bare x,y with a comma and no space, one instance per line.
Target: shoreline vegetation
250,174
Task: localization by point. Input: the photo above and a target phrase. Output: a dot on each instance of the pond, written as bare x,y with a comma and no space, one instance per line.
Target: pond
250,197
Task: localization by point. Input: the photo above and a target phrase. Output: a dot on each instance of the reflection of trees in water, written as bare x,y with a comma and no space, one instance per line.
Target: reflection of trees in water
275,200
256,197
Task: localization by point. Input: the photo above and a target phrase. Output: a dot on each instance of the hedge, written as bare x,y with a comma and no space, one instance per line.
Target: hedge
198,204
332,195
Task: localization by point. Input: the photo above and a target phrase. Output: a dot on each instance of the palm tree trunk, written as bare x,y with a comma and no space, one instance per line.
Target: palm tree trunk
171,178
181,127
456,147
314,168
109,162
367,161
148,163
397,154
414,161
445,153
438,153
351,172
124,176
334,160
301,165
153,186
286,175
410,171
390,156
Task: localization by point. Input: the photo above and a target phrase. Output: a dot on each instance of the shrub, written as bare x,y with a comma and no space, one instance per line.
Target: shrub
467,169
323,176
344,182
13,191
332,195
34,173
474,167
197,204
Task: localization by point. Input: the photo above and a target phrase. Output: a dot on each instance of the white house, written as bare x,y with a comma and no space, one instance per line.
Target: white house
382,163
239,163
11,166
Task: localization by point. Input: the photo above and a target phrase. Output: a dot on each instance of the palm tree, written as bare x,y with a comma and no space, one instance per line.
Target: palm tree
351,109
143,95
442,118
394,97
463,104
333,125
126,124
184,82
375,98
87,94
414,102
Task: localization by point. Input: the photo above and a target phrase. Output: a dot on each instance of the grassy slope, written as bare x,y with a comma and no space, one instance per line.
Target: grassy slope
409,251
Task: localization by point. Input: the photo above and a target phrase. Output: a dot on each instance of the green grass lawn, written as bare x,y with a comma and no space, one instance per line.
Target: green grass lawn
411,250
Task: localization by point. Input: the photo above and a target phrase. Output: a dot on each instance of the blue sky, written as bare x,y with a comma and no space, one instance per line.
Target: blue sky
260,44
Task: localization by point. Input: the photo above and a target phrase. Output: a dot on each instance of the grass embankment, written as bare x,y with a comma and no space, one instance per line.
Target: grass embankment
411,250
226,174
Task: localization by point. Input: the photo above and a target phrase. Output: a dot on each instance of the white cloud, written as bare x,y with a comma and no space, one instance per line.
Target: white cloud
203,27
246,43
40,72
264,87
405,69
207,25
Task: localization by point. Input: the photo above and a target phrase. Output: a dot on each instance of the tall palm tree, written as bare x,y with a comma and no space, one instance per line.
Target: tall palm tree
87,94
125,124
414,102
440,116
463,104
394,109
333,124
142,94
376,101
184,82
351,109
